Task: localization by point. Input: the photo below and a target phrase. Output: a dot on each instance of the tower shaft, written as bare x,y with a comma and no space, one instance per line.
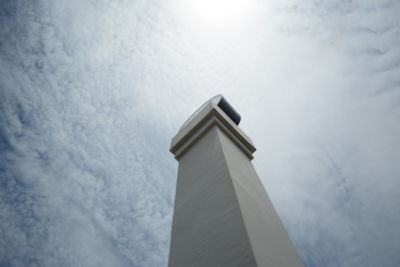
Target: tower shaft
222,214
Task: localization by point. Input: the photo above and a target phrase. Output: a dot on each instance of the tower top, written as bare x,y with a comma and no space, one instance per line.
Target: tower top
215,112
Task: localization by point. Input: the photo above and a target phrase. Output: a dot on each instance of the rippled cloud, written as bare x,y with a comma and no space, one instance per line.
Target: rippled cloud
92,92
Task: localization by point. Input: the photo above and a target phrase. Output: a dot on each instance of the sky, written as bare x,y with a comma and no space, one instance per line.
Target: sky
91,93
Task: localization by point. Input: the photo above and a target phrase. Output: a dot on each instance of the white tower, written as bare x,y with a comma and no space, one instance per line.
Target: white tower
222,215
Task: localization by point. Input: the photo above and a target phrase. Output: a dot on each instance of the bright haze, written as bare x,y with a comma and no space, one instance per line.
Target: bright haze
91,93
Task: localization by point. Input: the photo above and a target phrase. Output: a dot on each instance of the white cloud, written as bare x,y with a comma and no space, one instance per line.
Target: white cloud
91,94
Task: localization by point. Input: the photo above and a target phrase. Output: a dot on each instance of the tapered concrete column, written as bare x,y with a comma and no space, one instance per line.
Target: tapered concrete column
222,215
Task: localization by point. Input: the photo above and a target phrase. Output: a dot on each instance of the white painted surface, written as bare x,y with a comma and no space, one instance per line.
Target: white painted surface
222,215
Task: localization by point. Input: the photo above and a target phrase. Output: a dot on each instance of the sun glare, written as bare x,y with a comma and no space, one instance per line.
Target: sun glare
216,11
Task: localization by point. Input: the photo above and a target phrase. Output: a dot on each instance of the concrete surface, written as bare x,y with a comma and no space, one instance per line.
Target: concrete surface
222,214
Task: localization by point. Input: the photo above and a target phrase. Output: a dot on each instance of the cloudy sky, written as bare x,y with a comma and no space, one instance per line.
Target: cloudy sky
91,93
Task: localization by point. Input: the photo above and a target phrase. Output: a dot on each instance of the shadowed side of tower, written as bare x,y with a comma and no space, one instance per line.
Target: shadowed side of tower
222,214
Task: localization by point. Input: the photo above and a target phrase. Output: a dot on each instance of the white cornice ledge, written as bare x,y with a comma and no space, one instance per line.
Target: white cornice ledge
210,116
